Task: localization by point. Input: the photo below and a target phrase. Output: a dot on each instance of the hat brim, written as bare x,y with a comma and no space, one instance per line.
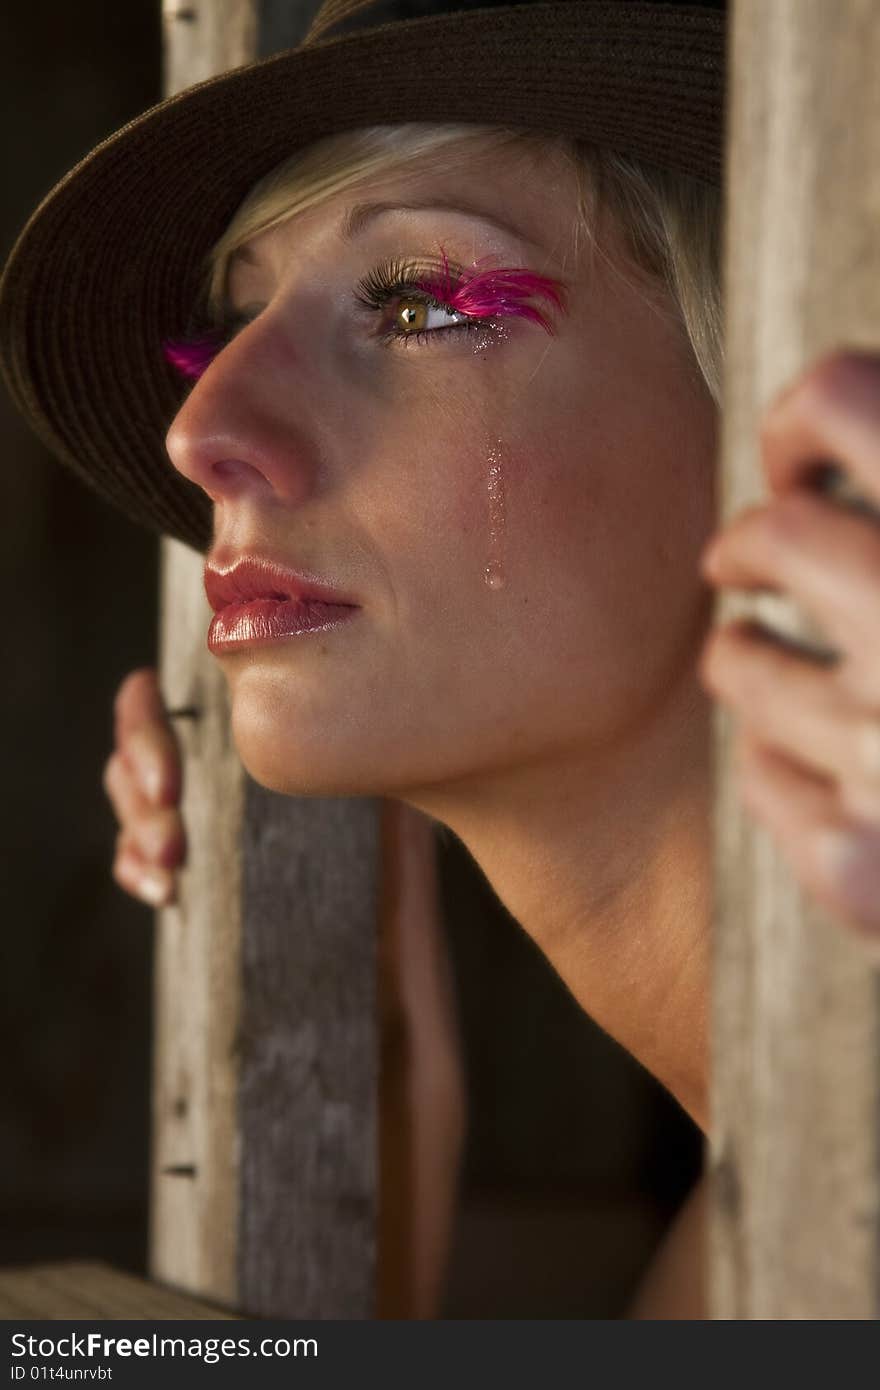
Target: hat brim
111,263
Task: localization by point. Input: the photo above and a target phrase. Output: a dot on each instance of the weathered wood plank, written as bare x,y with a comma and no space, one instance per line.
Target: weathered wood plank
308,1058
265,1073
204,37
197,974
89,1289
794,1161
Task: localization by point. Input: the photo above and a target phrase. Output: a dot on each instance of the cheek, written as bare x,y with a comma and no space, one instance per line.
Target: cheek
447,463
603,528
501,506
420,498
539,505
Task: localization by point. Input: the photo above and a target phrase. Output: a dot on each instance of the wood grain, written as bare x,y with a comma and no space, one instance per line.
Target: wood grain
197,977
202,38
265,1063
308,1058
796,1101
88,1290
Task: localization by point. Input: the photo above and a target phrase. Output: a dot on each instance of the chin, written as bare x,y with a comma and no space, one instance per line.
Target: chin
296,779
312,762
297,743
295,771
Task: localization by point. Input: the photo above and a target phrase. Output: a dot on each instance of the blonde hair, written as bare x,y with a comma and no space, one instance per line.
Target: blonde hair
670,222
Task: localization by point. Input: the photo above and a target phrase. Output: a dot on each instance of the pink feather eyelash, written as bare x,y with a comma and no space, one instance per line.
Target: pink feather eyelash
192,356
493,293
478,294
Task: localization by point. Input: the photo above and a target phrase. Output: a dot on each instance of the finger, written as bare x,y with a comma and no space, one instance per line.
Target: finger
138,701
153,755
159,833
799,708
826,559
161,838
150,883
146,738
834,857
830,413
123,789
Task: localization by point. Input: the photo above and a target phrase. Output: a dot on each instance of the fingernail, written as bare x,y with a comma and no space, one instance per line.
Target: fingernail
153,888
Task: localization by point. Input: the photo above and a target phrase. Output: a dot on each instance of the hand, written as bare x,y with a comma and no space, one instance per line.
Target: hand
143,779
808,745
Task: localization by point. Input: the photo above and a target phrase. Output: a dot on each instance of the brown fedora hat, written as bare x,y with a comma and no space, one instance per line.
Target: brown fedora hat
111,264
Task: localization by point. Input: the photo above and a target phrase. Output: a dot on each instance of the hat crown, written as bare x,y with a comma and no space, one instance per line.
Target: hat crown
333,12
341,15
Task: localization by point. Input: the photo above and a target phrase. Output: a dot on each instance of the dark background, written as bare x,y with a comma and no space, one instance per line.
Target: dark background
577,1158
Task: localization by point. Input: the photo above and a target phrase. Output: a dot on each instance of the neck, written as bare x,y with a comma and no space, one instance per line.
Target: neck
605,860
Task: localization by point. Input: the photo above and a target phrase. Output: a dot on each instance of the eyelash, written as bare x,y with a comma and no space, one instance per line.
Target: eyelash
396,279
190,357
487,294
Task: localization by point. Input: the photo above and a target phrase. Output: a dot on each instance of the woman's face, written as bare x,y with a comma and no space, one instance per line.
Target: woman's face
577,469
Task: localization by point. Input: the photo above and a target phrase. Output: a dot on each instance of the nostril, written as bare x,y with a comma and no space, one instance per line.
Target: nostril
231,474
228,468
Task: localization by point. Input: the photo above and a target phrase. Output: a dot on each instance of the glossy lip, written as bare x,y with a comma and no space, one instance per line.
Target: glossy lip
253,577
263,621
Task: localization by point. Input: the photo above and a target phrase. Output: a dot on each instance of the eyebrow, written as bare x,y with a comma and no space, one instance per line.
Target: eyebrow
359,217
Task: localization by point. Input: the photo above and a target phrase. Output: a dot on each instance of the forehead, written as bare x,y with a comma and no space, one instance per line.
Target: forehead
523,190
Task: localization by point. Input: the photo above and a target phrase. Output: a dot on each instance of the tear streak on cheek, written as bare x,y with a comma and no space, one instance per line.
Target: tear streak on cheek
496,506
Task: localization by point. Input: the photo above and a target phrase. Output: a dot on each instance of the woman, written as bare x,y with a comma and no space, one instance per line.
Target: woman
463,408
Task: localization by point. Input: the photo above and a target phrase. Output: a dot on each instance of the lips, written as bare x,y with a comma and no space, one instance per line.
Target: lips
253,577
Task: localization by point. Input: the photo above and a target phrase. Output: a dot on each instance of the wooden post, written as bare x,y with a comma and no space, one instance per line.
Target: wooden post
265,1068
794,1148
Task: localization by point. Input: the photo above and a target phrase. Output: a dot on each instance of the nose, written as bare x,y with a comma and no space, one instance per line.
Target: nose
239,434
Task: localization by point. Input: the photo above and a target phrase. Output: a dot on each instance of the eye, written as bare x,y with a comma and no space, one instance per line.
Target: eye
414,303
424,302
419,317
435,301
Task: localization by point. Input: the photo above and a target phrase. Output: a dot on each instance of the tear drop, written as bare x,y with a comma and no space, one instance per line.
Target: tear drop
494,572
